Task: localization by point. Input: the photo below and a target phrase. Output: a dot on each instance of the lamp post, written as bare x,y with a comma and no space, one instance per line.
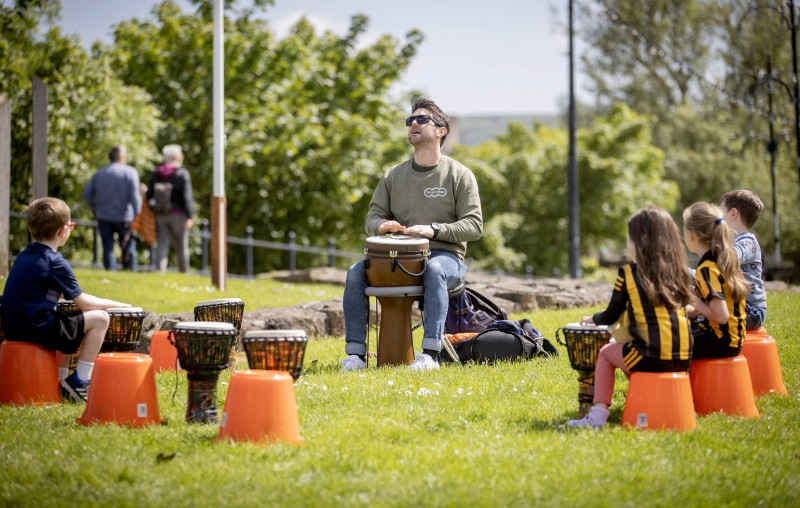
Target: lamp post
791,21
572,172
793,29
771,144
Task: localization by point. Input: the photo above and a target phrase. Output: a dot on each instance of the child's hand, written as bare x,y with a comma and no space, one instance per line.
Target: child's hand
587,320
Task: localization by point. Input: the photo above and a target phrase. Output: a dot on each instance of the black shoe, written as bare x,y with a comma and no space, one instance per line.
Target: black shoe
75,389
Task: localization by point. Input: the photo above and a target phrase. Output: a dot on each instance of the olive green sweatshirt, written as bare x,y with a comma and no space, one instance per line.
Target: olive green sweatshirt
446,193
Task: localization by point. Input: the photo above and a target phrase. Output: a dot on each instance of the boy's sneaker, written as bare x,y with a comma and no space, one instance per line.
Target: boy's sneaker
353,362
424,362
75,389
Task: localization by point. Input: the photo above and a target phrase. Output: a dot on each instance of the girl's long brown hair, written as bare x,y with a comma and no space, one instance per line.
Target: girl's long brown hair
707,222
660,259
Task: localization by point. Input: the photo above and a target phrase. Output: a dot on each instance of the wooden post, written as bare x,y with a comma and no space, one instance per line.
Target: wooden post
39,138
5,182
219,215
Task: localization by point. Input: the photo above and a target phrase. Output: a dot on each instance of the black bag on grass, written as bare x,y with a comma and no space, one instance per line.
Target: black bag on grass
504,340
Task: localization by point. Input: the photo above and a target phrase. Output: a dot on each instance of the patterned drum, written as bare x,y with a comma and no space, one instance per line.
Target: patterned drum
583,343
63,306
222,310
123,330
203,351
276,350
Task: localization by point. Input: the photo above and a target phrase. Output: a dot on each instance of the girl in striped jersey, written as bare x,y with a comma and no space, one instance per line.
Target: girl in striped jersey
718,307
651,293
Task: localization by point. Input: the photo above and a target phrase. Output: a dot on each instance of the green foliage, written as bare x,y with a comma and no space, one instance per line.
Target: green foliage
523,183
309,128
472,436
702,78
89,108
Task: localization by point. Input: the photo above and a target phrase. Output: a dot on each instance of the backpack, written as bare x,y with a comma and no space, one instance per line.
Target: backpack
161,202
504,340
471,312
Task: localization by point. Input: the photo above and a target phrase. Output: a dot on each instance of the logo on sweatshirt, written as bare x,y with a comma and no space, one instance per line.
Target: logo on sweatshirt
435,192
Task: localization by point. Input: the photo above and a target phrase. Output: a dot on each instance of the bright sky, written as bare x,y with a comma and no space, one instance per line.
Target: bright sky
478,57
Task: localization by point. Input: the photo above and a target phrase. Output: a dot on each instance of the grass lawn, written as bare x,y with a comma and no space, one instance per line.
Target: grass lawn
476,435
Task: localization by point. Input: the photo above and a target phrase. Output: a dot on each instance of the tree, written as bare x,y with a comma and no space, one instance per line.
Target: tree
309,126
694,66
522,178
89,108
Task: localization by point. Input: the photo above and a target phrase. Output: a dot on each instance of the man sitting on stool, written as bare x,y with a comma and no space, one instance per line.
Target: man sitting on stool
431,196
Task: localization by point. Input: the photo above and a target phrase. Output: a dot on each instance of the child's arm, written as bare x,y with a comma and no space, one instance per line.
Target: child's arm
89,302
716,310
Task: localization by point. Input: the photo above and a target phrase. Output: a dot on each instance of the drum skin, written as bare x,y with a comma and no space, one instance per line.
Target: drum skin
395,260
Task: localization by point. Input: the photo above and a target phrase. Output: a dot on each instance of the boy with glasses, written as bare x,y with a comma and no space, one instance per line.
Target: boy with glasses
39,276
431,196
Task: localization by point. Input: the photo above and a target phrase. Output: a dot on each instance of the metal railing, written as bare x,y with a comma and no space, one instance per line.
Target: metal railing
250,244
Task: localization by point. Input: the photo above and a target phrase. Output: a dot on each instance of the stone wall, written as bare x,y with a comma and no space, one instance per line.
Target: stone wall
325,319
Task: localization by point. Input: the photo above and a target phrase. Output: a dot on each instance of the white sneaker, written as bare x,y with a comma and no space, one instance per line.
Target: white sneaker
596,418
424,362
353,362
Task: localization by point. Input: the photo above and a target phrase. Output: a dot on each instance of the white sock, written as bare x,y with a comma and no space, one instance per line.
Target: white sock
598,415
63,372
84,370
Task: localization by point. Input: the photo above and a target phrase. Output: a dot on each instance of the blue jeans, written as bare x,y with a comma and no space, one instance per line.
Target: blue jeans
755,317
444,270
127,243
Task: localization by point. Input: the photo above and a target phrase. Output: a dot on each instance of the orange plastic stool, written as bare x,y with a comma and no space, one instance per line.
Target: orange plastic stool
163,352
723,384
122,391
761,352
260,407
28,374
658,401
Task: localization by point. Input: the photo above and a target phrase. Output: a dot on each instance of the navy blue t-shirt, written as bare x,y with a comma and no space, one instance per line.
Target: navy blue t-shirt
38,278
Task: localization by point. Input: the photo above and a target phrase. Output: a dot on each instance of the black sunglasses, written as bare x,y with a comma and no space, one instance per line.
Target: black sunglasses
422,120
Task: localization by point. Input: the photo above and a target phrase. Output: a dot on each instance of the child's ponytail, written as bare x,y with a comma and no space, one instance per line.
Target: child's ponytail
707,222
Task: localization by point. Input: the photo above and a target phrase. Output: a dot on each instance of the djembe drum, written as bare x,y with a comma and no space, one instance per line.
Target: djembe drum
583,343
63,306
222,310
204,350
124,329
395,261
276,350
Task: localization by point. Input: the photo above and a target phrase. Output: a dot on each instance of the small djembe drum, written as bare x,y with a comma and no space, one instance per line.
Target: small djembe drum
63,306
204,350
395,261
583,343
222,310
124,329
276,350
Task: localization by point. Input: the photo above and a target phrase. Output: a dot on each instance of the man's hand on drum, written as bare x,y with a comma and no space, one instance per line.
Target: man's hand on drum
587,320
391,226
425,231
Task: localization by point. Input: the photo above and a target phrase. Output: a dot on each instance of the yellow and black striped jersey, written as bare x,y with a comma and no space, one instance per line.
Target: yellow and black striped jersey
658,332
710,284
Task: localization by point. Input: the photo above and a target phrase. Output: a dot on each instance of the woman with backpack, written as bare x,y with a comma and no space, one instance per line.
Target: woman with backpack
169,195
